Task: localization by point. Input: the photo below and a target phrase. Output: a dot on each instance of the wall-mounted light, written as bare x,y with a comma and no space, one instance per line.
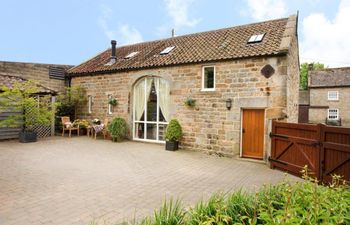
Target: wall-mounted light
228,103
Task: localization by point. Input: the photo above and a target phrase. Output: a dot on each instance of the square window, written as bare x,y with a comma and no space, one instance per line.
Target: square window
208,78
333,114
333,95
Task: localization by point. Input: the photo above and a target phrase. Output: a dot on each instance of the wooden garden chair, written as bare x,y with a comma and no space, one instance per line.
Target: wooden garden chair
101,129
67,125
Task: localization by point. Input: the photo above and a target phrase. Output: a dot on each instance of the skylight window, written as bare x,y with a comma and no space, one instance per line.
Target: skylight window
256,38
167,50
132,54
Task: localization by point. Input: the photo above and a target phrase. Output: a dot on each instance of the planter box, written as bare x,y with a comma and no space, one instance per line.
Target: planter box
171,145
27,136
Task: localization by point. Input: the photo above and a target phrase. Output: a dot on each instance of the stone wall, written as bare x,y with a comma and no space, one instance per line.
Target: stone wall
292,68
319,97
33,71
304,97
210,126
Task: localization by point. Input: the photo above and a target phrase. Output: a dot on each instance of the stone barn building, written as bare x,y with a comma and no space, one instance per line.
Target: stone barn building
241,78
329,96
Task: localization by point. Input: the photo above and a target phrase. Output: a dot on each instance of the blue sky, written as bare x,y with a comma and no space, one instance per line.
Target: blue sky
71,31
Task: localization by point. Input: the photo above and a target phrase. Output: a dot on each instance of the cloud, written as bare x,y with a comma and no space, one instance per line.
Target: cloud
123,33
265,9
178,11
130,34
326,40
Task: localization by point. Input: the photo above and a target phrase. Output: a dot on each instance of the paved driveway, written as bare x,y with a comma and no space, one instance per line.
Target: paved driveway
78,180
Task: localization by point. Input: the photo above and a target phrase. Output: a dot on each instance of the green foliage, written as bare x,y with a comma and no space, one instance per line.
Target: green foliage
171,213
22,98
190,102
306,203
113,101
81,122
173,131
69,101
118,129
304,70
214,211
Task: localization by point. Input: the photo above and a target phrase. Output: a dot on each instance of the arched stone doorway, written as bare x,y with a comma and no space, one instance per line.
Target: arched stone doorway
150,109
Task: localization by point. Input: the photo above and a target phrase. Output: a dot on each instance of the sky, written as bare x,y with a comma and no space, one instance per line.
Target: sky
72,31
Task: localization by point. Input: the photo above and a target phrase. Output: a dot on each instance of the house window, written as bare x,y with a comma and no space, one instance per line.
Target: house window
333,114
90,104
333,95
208,78
109,105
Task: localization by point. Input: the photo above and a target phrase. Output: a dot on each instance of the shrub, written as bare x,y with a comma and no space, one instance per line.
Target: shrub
171,213
22,98
305,202
173,131
117,129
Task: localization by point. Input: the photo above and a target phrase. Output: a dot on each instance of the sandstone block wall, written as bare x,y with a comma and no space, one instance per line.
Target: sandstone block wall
209,126
319,97
33,71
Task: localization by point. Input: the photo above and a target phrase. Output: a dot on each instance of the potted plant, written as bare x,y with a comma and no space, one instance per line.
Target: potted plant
190,102
173,134
117,128
113,102
30,112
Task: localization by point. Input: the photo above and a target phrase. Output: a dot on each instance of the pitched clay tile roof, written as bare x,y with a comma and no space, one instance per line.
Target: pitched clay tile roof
223,44
9,80
331,77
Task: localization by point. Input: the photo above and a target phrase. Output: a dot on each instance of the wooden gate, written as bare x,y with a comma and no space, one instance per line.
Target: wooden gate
324,149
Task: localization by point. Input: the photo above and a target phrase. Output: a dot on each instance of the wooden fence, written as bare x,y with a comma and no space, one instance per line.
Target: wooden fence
324,149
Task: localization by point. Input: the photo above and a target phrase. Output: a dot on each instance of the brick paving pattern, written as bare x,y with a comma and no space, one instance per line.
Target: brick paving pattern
78,180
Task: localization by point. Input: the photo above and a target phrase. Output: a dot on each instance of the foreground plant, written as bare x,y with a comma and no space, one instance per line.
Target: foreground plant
306,203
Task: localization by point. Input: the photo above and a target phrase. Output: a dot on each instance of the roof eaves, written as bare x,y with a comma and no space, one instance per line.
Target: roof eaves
109,71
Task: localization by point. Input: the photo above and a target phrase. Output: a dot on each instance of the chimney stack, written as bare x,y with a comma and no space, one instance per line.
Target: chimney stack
173,32
114,44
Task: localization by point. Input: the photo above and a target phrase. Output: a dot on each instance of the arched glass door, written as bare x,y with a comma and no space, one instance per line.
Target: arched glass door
151,109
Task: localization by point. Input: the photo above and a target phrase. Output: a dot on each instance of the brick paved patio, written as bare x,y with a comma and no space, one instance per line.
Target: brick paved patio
78,180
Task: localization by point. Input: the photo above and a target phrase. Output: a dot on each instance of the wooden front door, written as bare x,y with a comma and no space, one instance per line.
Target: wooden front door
253,133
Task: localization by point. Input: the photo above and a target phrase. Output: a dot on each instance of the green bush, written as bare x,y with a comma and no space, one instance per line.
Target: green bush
118,129
173,131
305,202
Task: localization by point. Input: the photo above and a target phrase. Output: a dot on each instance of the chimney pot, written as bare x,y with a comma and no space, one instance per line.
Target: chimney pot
113,43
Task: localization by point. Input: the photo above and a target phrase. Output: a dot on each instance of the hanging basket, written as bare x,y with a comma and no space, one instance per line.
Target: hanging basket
113,102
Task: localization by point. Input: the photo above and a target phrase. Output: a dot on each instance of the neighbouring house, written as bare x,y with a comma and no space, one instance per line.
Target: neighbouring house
330,96
241,78
50,78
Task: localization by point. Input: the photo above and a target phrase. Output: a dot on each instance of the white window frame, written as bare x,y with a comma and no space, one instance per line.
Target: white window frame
89,104
203,74
110,107
329,114
333,95
145,121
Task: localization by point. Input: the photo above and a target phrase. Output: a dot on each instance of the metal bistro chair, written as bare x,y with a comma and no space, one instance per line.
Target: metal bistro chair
67,125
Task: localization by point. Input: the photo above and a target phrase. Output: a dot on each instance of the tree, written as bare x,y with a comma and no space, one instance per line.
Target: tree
69,101
304,72
21,98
